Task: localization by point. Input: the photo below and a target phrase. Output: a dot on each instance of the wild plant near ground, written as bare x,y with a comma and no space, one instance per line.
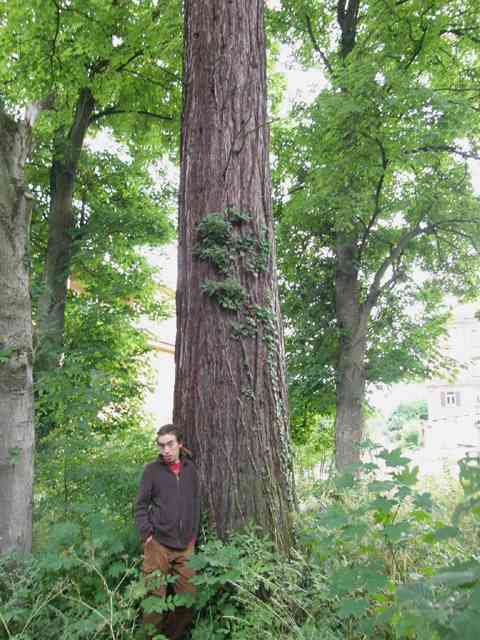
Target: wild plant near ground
74,590
378,558
394,565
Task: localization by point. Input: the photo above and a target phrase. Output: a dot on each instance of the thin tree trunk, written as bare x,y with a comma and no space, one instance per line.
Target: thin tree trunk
16,389
352,319
230,393
61,224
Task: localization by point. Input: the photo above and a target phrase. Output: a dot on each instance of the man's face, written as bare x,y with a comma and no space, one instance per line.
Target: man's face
169,447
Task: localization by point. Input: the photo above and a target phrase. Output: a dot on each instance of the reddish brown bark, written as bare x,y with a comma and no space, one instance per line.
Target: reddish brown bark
230,394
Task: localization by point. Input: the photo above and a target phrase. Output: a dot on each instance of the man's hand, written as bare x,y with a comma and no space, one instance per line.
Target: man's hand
150,537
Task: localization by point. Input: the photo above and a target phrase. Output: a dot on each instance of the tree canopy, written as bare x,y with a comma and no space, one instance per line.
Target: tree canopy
376,206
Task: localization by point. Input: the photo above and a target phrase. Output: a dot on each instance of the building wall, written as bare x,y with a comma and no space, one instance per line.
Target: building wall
453,416
454,405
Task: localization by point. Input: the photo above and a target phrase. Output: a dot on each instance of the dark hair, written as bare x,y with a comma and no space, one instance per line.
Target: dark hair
171,429
168,429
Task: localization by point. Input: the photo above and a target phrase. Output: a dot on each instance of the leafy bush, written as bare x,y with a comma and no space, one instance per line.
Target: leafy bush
85,476
394,565
378,558
75,589
404,424
247,590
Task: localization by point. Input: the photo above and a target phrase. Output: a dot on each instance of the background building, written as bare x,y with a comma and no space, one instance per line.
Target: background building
454,404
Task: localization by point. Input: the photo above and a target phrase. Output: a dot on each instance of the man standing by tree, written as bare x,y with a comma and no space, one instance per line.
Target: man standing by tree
167,515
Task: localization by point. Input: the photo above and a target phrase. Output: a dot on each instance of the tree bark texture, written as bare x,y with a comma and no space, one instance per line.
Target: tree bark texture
352,317
16,388
230,392
61,224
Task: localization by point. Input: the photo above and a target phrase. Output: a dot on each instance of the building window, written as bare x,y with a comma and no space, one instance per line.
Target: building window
450,398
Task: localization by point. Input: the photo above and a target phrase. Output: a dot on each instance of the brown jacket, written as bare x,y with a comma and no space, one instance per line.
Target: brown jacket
168,505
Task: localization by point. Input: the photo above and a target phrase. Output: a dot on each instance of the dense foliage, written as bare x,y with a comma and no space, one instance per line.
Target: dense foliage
377,558
378,217
404,423
108,86
372,179
105,370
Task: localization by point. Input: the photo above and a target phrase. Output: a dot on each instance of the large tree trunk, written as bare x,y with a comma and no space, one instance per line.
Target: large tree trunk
230,393
61,224
352,318
16,390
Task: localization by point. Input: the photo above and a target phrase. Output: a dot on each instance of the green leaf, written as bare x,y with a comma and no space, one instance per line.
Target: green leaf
445,533
353,607
335,517
394,458
380,486
155,604
396,533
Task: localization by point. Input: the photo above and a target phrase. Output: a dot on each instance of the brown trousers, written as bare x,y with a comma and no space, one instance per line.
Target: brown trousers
172,562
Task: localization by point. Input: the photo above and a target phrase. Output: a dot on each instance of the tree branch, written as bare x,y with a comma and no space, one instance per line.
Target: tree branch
34,109
466,236
141,76
445,147
87,16
463,33
341,12
113,111
98,66
347,16
395,253
57,31
315,44
418,47
133,57
378,192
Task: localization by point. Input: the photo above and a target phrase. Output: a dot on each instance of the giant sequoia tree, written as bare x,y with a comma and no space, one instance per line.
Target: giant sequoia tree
381,215
230,396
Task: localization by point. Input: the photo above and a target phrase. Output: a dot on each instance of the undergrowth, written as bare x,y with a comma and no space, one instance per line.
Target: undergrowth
377,557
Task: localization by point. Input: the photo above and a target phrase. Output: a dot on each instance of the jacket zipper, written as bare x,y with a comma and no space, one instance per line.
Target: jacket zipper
177,475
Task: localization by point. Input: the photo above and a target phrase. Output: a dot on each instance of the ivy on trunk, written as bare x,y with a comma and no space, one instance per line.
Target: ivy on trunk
230,394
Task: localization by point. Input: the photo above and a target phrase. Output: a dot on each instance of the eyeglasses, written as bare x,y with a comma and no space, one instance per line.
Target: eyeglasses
167,445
